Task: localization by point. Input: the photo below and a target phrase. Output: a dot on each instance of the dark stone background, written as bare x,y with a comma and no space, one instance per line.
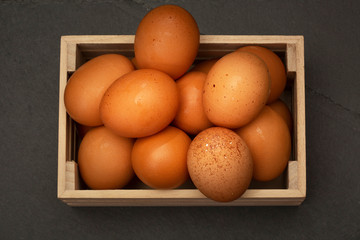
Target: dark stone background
29,67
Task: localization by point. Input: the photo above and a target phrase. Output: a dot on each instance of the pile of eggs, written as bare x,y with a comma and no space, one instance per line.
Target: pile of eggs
159,117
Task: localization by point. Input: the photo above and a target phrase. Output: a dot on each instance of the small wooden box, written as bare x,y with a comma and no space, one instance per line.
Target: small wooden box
288,189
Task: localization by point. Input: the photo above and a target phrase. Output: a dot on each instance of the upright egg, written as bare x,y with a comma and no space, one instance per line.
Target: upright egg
269,141
105,159
190,116
140,103
160,160
276,69
167,39
220,164
236,89
88,84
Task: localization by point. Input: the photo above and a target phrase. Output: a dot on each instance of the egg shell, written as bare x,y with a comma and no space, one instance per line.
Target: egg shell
140,103
282,109
269,141
236,89
276,69
160,160
88,84
167,39
105,159
190,116
220,164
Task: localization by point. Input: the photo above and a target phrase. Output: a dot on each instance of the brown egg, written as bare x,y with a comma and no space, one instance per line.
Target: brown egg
88,84
280,108
276,69
140,103
236,89
105,159
220,164
205,66
167,39
160,160
269,141
190,116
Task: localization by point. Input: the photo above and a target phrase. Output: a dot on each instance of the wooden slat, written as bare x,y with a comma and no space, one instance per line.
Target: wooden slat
183,197
62,138
182,202
72,176
291,60
178,193
300,118
292,175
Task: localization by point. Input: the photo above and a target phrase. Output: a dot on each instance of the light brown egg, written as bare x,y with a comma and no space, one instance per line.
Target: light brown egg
280,108
220,164
236,89
105,159
276,69
160,160
88,84
269,141
140,103
190,116
167,39
205,66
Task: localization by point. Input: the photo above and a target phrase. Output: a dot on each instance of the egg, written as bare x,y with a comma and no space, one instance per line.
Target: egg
269,141
220,164
159,160
236,89
282,109
167,39
105,159
88,84
190,116
205,66
140,103
276,69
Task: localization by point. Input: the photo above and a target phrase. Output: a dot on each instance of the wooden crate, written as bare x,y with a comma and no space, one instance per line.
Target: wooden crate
288,189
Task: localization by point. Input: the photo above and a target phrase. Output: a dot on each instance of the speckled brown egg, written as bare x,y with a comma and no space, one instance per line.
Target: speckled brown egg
236,89
220,164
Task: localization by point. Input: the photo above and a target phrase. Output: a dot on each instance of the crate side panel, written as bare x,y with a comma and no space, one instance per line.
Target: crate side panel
300,116
62,122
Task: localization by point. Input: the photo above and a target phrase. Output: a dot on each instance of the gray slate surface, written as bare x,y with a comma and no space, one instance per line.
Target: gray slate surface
29,66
